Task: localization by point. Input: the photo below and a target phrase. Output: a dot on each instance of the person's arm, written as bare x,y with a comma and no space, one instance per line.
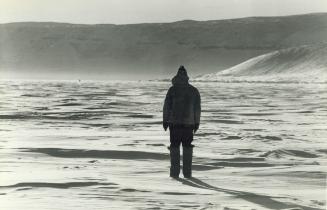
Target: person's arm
167,109
197,110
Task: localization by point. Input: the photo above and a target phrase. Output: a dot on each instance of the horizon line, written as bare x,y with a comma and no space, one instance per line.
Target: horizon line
176,21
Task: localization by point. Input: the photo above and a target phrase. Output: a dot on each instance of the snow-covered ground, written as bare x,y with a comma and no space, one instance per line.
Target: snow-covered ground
304,64
100,145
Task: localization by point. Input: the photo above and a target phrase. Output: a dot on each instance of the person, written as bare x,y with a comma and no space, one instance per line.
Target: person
181,113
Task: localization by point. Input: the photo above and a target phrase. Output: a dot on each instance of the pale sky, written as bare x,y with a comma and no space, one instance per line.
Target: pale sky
140,11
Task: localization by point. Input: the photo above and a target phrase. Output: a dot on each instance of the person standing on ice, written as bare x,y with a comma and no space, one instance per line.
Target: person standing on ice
181,113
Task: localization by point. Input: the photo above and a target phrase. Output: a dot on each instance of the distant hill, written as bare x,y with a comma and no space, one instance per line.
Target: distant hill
304,63
149,50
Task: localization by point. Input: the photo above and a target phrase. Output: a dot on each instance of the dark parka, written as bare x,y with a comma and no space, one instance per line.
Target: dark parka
182,103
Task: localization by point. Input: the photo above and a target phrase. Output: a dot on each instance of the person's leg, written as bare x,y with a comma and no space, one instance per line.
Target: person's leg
175,136
187,139
175,142
186,136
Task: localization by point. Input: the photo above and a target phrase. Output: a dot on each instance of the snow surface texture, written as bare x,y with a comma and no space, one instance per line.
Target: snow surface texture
93,145
306,63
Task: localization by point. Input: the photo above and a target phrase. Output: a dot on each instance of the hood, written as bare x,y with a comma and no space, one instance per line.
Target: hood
180,80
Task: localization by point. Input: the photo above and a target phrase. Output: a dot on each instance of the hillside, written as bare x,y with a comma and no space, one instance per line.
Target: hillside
304,63
150,50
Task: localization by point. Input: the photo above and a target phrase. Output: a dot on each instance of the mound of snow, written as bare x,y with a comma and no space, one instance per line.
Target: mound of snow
306,63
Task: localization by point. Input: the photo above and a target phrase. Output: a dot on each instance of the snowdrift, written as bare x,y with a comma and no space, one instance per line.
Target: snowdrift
306,63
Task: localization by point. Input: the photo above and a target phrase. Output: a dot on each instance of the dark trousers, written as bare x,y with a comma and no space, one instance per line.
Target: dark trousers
179,134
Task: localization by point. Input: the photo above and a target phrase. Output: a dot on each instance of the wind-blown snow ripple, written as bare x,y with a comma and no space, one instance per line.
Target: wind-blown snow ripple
100,145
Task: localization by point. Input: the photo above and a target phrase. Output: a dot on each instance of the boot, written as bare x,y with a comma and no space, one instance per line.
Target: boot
187,161
174,162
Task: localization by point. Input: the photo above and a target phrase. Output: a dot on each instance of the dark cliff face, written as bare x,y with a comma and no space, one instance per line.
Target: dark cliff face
150,50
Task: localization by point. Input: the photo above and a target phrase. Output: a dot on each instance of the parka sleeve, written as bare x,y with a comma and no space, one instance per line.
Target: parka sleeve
197,107
167,106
